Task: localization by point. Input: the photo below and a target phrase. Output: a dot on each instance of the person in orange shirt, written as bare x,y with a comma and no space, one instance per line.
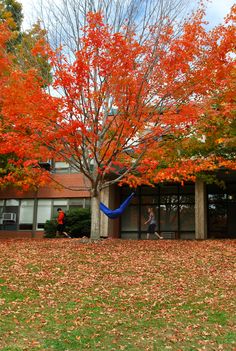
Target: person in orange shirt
61,224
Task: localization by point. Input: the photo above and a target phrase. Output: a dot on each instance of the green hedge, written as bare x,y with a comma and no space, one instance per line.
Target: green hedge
78,224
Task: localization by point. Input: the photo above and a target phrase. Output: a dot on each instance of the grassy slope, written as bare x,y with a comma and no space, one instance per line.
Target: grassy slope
117,295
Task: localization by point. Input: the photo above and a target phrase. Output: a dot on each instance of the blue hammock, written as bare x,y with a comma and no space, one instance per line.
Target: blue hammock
118,211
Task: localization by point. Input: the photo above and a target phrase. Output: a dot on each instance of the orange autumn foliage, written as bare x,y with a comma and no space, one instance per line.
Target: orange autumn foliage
118,100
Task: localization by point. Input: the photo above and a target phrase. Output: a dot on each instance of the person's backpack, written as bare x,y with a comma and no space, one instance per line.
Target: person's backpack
64,219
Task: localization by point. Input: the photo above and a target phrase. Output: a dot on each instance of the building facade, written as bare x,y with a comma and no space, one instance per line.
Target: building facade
193,211
23,214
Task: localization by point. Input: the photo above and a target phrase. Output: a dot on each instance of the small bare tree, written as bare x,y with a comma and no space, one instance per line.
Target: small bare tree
64,19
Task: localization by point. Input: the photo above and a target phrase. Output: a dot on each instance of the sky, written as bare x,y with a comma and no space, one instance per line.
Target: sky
217,9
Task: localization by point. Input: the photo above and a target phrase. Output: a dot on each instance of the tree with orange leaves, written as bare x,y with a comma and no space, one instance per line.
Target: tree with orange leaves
120,102
19,165
15,55
209,145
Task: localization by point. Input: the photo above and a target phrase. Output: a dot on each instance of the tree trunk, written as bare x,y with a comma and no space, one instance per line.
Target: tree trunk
95,218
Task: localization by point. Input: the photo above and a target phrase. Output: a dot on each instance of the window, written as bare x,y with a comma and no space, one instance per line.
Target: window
43,213
130,222
187,198
19,214
12,202
26,215
61,167
80,203
76,203
187,217
145,190
1,207
150,200
64,167
217,217
221,210
168,217
10,214
169,189
174,208
87,202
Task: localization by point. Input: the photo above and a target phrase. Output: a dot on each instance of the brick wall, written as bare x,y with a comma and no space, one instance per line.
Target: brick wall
5,234
74,181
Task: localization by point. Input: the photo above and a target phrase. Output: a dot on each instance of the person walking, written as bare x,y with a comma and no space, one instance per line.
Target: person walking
151,221
61,224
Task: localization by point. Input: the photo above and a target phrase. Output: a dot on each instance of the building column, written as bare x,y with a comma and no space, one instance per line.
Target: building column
35,210
104,225
109,227
200,210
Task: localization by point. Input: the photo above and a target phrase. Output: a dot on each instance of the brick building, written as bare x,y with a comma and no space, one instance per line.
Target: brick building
192,211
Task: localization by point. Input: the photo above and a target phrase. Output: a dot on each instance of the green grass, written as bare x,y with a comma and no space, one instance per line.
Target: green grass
117,295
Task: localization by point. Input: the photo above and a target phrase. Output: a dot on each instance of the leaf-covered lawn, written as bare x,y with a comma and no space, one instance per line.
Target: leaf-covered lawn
117,295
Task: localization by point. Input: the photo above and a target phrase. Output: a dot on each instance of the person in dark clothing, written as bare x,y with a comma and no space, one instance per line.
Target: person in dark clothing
151,221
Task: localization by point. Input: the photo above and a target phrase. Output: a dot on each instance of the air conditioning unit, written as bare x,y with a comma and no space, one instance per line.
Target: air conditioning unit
9,217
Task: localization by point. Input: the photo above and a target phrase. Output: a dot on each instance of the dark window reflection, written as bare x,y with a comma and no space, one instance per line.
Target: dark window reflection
169,199
173,206
188,198
217,197
168,217
217,217
169,189
187,217
222,211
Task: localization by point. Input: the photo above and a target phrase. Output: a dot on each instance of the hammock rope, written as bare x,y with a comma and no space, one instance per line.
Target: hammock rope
118,211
